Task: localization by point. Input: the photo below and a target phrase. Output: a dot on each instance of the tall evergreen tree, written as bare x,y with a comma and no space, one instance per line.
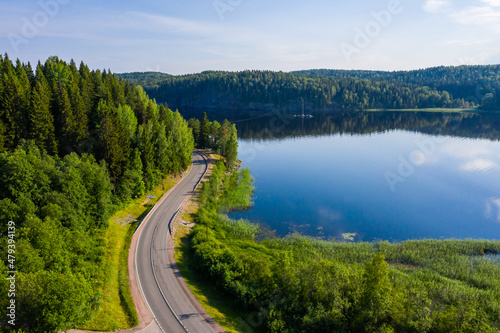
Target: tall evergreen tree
78,120
114,142
147,155
204,139
41,119
14,102
162,150
23,91
195,125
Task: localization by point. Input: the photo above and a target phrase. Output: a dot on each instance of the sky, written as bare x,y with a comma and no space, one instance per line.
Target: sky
182,37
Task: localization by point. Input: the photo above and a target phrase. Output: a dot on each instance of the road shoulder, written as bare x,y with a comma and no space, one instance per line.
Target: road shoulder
147,322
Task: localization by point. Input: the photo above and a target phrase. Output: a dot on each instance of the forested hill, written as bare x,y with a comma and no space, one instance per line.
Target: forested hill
75,145
325,90
266,90
145,79
471,83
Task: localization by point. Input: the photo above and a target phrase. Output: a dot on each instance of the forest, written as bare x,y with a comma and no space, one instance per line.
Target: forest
145,79
266,90
327,90
475,84
76,145
221,139
301,284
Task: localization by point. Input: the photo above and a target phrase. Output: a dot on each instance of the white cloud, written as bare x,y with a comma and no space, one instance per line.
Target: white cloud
479,165
479,58
482,12
436,6
494,3
172,24
329,215
483,15
466,149
493,204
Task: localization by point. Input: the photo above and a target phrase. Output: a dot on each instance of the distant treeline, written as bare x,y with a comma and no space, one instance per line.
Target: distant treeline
277,90
75,145
324,90
479,85
145,79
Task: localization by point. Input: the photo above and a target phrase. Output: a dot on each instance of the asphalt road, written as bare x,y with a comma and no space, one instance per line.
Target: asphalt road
171,306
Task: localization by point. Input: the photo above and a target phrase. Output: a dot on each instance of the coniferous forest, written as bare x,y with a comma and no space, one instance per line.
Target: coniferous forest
75,145
327,90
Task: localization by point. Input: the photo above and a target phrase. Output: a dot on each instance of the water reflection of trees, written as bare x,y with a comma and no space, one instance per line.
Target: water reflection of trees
276,126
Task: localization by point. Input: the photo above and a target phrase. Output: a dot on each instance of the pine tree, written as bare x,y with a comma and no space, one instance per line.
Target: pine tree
23,92
147,155
61,106
7,104
78,119
136,167
162,150
41,119
114,142
14,102
195,125
204,139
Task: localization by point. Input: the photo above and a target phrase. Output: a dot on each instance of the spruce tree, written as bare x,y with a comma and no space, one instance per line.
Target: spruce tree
114,142
41,119
204,140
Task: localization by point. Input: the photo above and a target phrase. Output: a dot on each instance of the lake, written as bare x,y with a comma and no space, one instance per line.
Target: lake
368,176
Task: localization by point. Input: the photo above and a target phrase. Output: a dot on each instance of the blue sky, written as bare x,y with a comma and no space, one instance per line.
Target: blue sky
180,37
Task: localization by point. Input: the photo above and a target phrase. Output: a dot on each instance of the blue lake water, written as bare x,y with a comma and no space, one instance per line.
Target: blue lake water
381,176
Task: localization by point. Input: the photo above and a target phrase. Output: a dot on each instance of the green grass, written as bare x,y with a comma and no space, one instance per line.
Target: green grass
313,285
215,304
213,301
118,309
111,315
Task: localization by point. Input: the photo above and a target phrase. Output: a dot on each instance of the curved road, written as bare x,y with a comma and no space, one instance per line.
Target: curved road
171,306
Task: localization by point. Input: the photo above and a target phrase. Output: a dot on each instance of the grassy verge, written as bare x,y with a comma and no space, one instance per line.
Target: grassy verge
302,284
118,309
209,297
217,305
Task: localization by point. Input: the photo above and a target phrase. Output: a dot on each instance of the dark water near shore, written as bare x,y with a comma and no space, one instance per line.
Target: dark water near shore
374,175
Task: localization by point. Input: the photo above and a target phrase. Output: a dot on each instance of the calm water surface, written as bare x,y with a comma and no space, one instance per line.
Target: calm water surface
381,176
